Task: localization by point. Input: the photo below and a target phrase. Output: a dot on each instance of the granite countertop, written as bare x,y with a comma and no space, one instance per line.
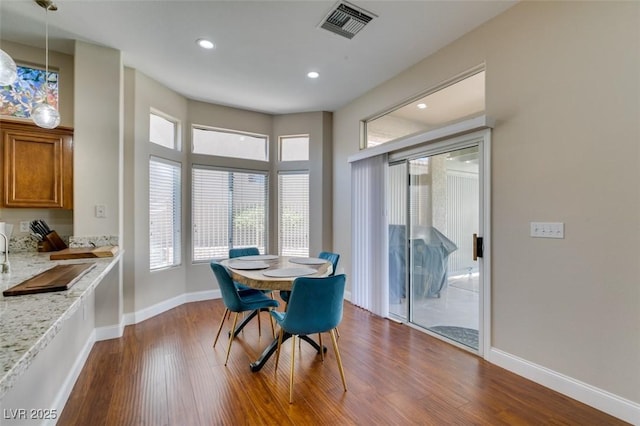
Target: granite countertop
28,323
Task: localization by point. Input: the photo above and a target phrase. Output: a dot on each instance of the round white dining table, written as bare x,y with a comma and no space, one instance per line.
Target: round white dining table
285,266
280,271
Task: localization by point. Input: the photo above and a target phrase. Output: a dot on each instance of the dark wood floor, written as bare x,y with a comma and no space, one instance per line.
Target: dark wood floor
164,371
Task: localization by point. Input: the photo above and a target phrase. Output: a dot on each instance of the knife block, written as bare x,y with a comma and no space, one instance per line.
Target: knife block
51,242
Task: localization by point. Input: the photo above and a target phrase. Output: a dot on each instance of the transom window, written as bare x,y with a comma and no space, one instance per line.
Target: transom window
228,143
460,99
294,148
163,131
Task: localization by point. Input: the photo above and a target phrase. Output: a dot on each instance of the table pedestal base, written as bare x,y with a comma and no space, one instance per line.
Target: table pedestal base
271,349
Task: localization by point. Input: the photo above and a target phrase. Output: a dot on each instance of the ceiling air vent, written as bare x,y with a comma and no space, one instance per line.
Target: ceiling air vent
346,19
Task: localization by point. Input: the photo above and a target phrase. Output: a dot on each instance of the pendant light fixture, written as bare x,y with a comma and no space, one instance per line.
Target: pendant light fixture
43,114
8,69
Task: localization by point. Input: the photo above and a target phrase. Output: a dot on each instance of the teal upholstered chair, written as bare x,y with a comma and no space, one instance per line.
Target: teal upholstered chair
238,301
326,255
244,251
315,306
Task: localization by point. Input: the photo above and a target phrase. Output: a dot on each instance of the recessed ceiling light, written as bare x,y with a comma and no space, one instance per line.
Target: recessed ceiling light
422,106
205,44
313,74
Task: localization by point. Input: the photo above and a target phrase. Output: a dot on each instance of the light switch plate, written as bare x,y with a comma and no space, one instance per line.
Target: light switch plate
101,211
547,229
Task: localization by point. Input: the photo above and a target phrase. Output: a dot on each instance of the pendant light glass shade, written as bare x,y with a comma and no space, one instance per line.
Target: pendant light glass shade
43,114
8,69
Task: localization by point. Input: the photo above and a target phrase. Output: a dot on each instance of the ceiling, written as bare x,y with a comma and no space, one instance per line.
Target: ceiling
264,49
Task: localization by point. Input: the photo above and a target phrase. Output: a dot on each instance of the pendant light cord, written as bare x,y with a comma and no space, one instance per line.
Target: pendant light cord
46,55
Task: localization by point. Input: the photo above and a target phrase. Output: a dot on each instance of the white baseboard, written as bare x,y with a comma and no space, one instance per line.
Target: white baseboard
109,332
599,399
203,295
157,309
65,390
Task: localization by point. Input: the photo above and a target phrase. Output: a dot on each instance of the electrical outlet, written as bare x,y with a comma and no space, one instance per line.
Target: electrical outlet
547,229
101,211
24,226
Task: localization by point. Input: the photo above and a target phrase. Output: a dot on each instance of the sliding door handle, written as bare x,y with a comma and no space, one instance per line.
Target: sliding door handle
477,247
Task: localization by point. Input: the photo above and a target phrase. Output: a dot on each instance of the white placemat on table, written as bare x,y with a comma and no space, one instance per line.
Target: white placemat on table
240,264
257,257
289,272
308,260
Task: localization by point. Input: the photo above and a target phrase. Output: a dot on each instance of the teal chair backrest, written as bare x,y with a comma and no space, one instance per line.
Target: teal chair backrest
228,289
244,251
315,305
331,257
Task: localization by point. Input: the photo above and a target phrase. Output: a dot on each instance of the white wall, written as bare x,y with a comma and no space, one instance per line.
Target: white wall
563,86
143,288
97,141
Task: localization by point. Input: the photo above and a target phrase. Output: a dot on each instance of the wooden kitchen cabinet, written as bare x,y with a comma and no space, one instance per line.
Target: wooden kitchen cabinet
37,166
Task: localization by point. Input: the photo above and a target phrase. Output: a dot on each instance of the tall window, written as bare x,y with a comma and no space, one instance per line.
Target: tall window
229,210
293,214
228,143
163,131
164,213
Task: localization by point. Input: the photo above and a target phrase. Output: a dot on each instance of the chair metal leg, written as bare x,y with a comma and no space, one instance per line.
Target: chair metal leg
293,359
226,311
335,348
337,332
273,329
235,321
280,335
320,343
259,324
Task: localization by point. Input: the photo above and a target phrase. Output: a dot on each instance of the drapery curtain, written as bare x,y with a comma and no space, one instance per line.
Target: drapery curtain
369,235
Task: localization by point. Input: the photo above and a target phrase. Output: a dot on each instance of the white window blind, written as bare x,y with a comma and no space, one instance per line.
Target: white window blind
164,213
293,214
229,210
370,288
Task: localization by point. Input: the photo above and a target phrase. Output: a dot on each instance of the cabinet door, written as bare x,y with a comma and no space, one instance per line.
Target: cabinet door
37,169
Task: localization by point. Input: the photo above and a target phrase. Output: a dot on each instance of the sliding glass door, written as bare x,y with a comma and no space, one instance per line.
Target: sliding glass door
434,212
397,219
